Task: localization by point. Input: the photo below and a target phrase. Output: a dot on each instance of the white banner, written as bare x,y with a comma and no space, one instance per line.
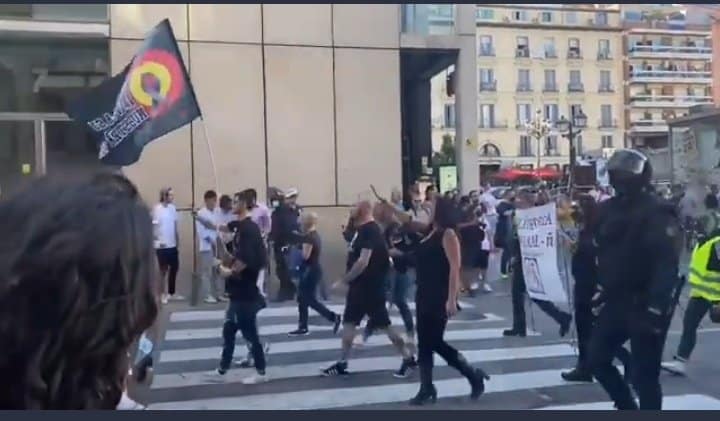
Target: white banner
537,232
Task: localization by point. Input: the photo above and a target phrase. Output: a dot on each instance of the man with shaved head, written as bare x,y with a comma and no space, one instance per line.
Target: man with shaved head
368,267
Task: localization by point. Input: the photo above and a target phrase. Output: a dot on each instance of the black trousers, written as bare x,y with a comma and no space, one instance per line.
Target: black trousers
169,263
584,322
696,310
505,261
307,297
615,324
430,334
287,288
518,290
242,316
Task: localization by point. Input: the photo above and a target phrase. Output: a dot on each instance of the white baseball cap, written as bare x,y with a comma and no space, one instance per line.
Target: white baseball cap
291,192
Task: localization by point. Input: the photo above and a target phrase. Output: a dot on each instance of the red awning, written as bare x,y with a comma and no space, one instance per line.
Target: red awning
513,174
548,173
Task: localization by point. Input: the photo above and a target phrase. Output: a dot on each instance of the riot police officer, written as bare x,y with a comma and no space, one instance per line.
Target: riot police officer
638,246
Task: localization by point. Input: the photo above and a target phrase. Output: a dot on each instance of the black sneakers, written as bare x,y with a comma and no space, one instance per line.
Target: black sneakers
299,332
337,369
514,332
407,367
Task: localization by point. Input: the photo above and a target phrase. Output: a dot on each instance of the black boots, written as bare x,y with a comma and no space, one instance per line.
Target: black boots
577,375
427,393
475,376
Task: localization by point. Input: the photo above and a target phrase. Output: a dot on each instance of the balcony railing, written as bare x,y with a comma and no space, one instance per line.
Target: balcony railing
526,152
670,49
574,55
522,53
604,55
648,125
671,100
606,88
576,87
486,51
671,74
492,124
488,86
524,87
550,87
551,54
607,123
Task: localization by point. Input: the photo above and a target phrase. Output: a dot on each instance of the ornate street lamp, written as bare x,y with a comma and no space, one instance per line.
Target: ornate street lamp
538,128
570,129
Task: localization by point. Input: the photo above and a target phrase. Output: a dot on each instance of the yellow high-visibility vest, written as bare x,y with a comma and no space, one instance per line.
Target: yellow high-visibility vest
705,283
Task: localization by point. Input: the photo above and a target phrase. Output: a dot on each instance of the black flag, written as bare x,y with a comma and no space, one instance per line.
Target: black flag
152,96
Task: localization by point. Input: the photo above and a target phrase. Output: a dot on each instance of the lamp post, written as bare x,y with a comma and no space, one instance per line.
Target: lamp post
570,129
538,128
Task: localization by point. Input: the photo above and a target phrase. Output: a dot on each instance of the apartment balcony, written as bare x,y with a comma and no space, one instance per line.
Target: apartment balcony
671,76
488,86
522,53
672,52
523,87
648,126
492,125
574,54
606,89
576,88
607,123
486,51
550,88
668,101
550,54
604,55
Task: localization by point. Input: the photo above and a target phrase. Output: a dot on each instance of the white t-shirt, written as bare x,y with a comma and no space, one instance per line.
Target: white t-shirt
164,220
485,245
490,202
207,236
225,218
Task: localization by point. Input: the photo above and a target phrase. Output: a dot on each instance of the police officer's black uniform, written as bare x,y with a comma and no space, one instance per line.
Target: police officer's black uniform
638,246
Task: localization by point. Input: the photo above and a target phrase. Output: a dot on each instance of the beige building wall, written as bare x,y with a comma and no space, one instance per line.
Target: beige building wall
304,96
503,29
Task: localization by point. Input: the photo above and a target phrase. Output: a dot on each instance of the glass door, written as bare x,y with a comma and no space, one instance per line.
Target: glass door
70,151
18,154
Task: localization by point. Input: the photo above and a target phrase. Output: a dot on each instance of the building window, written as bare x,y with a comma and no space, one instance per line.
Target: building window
487,80
524,80
551,112
551,146
575,84
487,116
606,115
522,48
604,49
519,15
486,46
601,18
574,48
526,148
607,141
550,83
571,18
486,14
546,17
449,115
605,84
523,114
549,46
490,150
575,109
56,12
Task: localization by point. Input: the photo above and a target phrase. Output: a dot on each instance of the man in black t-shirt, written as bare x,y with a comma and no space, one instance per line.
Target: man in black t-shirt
369,264
249,257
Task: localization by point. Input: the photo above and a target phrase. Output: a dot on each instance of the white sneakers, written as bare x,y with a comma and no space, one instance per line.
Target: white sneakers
175,297
256,378
210,300
676,367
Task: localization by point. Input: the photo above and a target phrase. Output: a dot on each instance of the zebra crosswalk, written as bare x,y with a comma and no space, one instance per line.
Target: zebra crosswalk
190,349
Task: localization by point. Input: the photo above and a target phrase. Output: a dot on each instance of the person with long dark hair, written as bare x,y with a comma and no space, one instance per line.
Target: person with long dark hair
438,283
78,287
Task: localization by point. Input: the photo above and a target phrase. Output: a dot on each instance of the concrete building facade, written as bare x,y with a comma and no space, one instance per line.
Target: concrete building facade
312,96
557,58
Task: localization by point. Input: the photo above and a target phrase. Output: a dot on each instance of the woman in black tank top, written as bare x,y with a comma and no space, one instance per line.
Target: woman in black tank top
438,281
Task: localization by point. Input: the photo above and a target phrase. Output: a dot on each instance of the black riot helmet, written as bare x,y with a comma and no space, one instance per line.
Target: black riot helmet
629,171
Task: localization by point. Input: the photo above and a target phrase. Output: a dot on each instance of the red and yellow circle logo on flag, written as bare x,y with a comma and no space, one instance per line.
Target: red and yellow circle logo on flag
156,81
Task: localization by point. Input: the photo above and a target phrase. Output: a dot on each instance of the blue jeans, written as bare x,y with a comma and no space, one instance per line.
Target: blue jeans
307,298
242,316
397,285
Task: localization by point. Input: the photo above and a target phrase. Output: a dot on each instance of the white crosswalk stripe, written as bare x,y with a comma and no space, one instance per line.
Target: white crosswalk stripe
185,380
